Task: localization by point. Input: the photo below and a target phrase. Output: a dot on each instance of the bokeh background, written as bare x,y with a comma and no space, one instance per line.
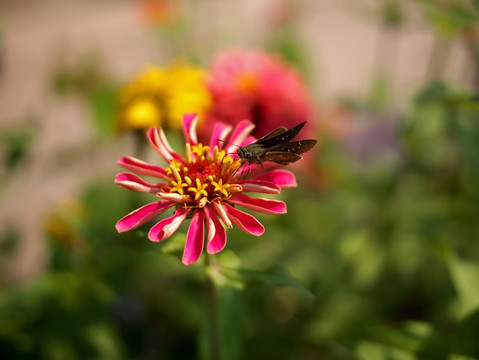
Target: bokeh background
379,250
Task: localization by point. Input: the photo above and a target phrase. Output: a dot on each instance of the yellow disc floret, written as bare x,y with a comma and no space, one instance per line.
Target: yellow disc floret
199,191
220,187
200,149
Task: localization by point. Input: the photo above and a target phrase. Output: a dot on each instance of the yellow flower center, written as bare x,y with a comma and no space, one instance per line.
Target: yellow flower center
204,176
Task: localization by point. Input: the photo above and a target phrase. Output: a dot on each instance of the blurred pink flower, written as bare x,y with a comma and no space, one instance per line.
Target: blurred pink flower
204,185
258,87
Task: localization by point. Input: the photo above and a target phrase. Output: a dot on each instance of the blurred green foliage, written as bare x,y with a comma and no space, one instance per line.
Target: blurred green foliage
14,145
88,79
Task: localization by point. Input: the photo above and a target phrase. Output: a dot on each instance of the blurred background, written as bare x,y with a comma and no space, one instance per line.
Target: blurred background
379,249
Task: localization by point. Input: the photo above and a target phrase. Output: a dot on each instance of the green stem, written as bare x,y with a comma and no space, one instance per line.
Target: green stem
213,303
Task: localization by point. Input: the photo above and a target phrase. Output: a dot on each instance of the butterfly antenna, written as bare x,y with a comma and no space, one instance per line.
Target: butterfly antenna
227,142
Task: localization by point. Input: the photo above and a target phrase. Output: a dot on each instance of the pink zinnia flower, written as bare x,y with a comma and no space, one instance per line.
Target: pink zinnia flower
204,185
259,87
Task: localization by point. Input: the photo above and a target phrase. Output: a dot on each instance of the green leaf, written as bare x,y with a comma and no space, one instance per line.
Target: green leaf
104,340
237,277
465,277
373,351
461,357
408,336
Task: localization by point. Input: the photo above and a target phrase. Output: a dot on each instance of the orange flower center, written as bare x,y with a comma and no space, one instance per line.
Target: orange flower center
247,82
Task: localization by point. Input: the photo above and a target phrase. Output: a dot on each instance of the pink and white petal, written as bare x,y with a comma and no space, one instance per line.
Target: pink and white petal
174,197
189,128
194,238
141,167
255,171
249,140
260,186
240,133
167,227
142,215
167,146
222,214
154,137
135,183
220,131
244,221
210,226
216,239
282,178
267,206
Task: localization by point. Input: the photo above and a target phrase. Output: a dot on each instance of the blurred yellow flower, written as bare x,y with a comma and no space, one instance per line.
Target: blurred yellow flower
160,97
143,114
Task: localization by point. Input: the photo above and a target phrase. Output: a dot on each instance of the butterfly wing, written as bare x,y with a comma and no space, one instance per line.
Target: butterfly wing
282,158
280,136
272,134
288,152
296,147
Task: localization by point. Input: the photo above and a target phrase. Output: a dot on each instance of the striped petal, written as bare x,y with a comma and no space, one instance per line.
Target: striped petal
222,214
220,132
141,167
240,133
244,221
135,183
167,227
194,238
249,140
260,186
216,238
174,197
282,178
189,128
142,215
157,138
267,206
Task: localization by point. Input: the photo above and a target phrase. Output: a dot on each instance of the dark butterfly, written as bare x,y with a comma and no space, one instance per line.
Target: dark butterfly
276,147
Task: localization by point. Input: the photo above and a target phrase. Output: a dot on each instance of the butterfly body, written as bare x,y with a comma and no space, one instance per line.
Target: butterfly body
276,147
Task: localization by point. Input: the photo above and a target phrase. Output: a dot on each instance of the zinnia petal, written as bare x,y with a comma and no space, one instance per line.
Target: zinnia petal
244,221
216,239
260,186
282,178
142,215
194,238
240,133
173,197
267,206
141,167
167,227
135,183
167,145
189,128
249,140
155,140
220,132
222,214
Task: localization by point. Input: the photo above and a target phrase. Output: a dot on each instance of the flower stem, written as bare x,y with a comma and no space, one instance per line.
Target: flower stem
214,333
